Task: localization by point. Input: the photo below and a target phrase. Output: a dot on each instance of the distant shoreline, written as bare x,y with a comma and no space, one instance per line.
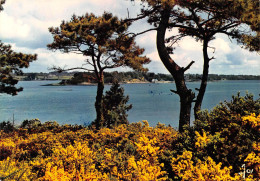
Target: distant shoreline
94,84
129,82
126,77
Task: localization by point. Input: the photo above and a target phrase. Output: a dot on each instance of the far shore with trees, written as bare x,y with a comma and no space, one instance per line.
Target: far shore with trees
75,77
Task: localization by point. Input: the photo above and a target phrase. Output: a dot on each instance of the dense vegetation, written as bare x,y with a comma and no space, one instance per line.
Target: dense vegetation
215,148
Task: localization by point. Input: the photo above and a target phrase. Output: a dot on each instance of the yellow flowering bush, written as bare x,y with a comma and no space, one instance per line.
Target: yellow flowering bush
143,170
252,120
202,140
52,152
228,133
146,147
11,169
6,148
215,148
253,160
206,170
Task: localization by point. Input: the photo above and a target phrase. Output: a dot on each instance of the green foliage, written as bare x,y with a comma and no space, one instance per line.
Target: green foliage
80,77
12,63
230,140
250,13
28,124
104,41
7,126
114,106
219,116
102,38
250,16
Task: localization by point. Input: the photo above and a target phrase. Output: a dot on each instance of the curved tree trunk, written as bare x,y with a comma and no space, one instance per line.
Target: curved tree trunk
204,80
98,104
185,94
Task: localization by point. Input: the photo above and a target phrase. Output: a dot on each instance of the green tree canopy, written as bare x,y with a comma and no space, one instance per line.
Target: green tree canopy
11,63
103,40
201,19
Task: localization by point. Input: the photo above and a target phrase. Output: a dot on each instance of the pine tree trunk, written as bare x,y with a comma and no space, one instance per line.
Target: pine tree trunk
98,104
186,95
204,80
186,100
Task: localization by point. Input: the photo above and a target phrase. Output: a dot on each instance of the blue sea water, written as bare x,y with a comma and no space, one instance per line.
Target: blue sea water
75,104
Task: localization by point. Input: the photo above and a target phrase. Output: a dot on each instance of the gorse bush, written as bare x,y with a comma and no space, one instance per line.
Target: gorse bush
122,153
232,128
222,144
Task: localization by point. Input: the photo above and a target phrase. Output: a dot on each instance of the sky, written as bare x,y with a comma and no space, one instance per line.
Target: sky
24,25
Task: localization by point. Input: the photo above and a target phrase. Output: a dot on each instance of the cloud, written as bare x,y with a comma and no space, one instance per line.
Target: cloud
154,56
221,45
13,28
235,58
157,67
190,44
26,31
25,23
47,59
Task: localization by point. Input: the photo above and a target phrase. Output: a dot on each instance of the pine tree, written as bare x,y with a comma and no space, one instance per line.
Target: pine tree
115,106
105,43
202,20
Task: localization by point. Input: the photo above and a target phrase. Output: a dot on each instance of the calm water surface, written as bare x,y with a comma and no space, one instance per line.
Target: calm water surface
75,104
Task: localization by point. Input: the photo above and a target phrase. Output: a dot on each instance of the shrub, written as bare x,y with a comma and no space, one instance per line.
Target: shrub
233,127
215,148
7,127
115,106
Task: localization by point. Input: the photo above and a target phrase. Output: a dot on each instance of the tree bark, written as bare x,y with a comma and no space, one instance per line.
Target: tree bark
98,104
185,94
204,79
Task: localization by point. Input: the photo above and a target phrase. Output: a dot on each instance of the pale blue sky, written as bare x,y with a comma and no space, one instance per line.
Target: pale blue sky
24,24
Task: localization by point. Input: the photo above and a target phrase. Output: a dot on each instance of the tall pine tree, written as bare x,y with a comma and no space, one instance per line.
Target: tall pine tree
105,43
203,20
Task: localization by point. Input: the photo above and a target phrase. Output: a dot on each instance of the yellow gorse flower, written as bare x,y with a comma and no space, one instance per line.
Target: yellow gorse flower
201,140
127,152
252,120
203,170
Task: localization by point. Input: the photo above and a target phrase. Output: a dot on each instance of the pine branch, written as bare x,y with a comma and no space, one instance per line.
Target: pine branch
136,34
186,68
59,69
